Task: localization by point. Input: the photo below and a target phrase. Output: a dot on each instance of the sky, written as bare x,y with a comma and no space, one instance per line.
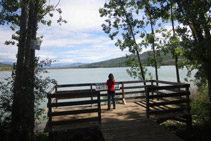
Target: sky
81,39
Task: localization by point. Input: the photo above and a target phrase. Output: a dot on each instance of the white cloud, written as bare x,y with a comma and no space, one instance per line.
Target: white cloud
73,39
7,52
95,54
81,15
80,40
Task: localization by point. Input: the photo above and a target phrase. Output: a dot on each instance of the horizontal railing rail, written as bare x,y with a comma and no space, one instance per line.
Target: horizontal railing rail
62,104
161,100
154,93
128,90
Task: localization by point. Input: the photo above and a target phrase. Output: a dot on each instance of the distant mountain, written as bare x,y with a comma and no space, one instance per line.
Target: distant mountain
117,62
123,61
65,65
7,63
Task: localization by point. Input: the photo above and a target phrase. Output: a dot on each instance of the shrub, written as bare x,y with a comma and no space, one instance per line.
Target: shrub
201,108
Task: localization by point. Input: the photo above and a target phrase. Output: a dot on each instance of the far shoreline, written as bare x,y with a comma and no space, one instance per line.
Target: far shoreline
5,70
65,68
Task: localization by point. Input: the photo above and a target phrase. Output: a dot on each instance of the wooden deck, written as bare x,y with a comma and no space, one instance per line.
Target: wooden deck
132,121
127,122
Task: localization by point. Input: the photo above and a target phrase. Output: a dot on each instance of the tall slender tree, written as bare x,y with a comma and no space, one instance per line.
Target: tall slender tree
175,54
32,12
152,19
120,14
165,11
19,122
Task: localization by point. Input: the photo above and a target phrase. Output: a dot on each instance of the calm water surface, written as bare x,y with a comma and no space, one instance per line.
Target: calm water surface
99,75
95,75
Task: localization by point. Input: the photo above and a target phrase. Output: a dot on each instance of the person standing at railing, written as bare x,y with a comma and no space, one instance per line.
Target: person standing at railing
111,91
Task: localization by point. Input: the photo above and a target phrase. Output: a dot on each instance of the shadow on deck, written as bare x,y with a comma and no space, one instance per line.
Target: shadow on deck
127,122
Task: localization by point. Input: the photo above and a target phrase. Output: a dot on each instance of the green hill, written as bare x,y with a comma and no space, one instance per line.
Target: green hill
123,61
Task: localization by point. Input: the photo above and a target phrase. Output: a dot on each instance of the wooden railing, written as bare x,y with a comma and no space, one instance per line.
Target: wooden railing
159,97
128,90
169,102
66,104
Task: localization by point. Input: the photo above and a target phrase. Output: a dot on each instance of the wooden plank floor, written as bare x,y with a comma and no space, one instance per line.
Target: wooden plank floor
127,122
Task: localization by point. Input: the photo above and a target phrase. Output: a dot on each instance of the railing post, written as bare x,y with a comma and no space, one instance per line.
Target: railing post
56,90
189,117
91,88
99,107
49,116
123,94
147,102
152,86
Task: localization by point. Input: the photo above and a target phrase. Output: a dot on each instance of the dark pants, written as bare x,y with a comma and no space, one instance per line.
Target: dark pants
111,94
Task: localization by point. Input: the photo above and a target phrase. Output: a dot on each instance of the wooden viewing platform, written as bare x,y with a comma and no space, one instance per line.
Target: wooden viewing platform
146,101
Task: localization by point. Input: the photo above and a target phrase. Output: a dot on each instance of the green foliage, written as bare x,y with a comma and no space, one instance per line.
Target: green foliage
189,38
10,14
26,90
42,84
201,108
6,102
201,116
41,136
122,23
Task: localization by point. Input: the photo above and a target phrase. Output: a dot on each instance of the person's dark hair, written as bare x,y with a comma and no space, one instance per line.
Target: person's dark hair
111,76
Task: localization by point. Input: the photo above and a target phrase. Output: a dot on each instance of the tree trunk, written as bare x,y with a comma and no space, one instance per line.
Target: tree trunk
18,121
140,64
153,48
208,69
174,33
177,68
136,45
30,67
23,102
29,76
209,87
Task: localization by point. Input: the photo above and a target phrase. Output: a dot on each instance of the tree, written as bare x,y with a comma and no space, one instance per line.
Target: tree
175,42
193,28
165,10
195,17
126,18
32,12
150,38
122,24
41,85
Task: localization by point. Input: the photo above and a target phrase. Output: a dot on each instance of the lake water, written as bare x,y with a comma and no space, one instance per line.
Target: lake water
96,75
100,75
